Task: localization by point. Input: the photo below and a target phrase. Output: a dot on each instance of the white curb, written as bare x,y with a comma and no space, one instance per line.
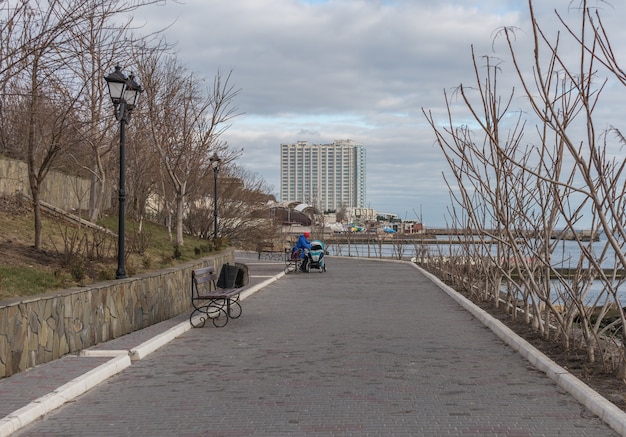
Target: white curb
250,291
597,404
58,397
122,359
102,353
156,342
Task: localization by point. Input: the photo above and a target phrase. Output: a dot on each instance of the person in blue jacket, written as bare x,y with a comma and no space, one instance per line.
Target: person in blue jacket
304,243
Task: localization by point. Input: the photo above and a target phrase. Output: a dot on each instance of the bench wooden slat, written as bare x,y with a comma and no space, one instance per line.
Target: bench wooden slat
204,275
219,293
205,278
202,271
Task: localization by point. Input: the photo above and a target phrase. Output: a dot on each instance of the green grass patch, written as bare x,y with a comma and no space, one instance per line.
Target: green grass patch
78,256
27,281
155,240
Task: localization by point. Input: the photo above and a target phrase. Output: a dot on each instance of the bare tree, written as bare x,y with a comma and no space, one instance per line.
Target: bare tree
243,205
43,58
46,100
517,193
186,122
341,213
102,39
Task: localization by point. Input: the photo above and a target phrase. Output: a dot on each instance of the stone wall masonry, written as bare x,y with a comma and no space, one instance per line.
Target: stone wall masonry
63,191
40,329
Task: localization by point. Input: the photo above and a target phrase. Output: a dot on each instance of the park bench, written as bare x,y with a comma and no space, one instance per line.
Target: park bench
213,297
267,251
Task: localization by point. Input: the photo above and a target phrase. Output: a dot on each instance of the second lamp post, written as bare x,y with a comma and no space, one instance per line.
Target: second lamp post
124,92
215,164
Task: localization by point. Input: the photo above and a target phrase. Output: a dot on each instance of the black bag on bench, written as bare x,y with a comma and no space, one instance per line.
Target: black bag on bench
228,277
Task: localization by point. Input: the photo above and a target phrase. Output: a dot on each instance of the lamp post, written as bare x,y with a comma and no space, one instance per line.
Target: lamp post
124,92
215,164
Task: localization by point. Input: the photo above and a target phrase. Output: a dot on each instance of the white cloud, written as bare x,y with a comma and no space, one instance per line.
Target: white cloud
320,70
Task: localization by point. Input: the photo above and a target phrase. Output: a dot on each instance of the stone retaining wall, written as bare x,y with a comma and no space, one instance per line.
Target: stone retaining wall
63,191
40,329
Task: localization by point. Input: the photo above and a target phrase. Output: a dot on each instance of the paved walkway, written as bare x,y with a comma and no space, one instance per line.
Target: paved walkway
367,348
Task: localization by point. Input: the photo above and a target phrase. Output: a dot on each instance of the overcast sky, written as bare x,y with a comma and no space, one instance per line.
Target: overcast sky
321,70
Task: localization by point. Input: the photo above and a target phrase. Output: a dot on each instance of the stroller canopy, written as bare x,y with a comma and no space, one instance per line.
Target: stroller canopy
317,245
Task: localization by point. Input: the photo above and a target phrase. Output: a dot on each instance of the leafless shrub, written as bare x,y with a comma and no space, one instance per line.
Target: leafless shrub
518,194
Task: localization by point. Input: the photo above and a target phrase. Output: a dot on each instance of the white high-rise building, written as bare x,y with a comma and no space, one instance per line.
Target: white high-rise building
327,176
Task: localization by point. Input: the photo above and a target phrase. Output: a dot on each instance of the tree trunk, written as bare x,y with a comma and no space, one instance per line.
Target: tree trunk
180,207
30,158
94,210
37,216
97,190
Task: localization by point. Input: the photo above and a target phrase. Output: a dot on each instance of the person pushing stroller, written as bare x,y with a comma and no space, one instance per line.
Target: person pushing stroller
304,245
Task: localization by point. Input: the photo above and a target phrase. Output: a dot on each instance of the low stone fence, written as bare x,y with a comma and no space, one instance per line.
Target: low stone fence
43,328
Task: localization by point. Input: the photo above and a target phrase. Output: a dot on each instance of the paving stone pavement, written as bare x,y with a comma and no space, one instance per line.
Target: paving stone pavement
366,349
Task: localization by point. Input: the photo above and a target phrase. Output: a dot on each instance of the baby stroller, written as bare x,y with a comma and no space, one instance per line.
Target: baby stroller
316,256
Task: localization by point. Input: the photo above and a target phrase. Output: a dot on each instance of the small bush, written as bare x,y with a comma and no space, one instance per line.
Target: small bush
131,267
139,242
203,249
221,243
77,269
106,274
146,261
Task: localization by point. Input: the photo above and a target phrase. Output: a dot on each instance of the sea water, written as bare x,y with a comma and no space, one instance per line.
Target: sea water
566,254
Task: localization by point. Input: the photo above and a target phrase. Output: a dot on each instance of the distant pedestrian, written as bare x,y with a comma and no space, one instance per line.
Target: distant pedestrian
304,245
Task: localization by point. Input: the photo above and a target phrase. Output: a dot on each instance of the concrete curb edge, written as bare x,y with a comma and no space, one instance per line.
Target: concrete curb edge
602,407
250,291
74,388
61,395
149,346
162,339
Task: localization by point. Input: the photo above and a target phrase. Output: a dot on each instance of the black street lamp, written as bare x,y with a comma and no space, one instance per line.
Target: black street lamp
124,92
215,164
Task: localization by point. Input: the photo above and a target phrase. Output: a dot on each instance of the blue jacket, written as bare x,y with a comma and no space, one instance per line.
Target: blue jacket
303,244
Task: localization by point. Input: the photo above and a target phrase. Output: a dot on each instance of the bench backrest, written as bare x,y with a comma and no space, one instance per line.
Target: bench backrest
202,276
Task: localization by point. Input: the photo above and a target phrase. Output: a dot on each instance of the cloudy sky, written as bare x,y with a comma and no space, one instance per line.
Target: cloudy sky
320,70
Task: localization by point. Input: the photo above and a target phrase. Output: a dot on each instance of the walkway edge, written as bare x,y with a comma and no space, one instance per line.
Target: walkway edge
162,339
123,359
602,407
149,346
63,394
250,291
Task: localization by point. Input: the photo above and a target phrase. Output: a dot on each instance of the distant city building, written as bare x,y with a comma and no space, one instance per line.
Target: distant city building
327,176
